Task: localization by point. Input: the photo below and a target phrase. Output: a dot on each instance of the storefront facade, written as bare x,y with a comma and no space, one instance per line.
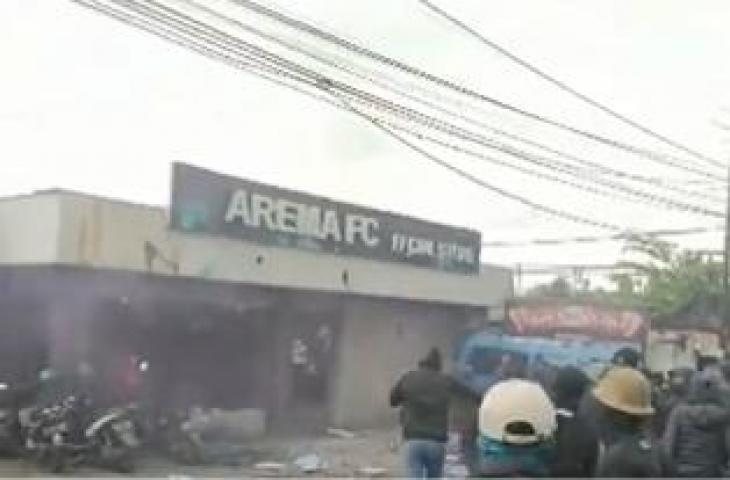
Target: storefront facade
310,321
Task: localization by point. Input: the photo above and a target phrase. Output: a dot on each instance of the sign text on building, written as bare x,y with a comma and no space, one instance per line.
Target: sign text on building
208,202
589,320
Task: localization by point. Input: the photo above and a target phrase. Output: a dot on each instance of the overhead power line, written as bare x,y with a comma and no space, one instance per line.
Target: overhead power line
444,83
597,167
201,28
550,177
544,162
563,86
321,82
194,46
550,269
602,238
478,181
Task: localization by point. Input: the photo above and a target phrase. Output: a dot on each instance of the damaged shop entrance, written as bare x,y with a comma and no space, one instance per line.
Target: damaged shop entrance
276,356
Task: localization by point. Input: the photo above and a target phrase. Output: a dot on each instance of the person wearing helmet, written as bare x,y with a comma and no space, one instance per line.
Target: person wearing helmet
424,397
589,409
627,450
695,436
576,443
517,424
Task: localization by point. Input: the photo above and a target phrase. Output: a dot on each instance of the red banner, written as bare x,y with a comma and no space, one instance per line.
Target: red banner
588,320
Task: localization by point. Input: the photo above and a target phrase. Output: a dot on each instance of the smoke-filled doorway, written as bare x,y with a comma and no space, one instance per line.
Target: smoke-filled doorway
308,333
194,354
311,358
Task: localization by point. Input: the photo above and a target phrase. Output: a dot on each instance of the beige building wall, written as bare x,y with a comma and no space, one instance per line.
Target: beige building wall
29,229
397,314
108,234
389,338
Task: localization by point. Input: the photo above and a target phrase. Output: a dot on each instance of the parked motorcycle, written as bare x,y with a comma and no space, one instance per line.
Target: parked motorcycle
67,435
46,431
10,438
112,440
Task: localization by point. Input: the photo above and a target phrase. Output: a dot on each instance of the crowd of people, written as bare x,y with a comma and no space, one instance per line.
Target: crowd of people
627,423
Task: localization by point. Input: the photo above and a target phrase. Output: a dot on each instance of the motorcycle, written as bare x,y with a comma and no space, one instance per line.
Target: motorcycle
59,438
112,440
46,431
10,439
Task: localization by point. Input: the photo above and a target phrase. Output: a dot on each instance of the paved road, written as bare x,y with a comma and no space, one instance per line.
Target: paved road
343,458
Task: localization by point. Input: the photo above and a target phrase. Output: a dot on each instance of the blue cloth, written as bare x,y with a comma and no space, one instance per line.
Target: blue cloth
502,460
424,458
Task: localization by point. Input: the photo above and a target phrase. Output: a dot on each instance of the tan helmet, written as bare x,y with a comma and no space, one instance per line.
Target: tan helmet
626,390
517,412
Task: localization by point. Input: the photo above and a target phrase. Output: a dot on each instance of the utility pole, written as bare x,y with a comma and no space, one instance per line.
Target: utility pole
726,250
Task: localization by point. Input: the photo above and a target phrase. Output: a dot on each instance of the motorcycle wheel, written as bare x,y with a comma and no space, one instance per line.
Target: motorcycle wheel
54,461
124,464
187,453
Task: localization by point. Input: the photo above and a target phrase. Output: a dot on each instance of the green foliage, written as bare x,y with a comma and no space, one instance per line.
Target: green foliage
660,279
561,289
667,280
558,288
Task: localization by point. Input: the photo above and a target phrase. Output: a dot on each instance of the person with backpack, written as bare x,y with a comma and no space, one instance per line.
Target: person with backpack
695,436
626,447
517,423
576,444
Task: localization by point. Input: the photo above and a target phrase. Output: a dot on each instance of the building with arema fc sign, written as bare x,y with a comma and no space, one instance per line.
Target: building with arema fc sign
241,295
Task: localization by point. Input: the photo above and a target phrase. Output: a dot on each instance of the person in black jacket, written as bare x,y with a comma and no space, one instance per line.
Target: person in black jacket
695,436
424,396
576,444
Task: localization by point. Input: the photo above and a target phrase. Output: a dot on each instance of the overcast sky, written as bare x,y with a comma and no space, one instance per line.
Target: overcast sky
93,105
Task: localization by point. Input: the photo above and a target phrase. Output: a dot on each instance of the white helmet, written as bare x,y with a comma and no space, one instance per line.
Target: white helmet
517,412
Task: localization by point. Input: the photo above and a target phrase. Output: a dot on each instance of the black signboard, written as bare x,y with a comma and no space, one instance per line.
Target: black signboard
211,203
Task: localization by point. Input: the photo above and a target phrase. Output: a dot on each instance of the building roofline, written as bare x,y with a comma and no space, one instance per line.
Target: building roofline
163,209
79,194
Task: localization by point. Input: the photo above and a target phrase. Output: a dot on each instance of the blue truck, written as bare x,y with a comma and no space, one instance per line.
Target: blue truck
477,360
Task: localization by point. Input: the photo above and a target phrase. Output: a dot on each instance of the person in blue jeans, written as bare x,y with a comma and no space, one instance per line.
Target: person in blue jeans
424,396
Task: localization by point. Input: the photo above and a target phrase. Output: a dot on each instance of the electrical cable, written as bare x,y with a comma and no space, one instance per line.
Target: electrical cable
478,181
325,85
598,238
349,70
563,86
410,114
544,176
444,83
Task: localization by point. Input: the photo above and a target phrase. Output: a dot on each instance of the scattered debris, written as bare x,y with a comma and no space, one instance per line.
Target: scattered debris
394,444
341,433
456,471
310,463
271,467
452,458
372,472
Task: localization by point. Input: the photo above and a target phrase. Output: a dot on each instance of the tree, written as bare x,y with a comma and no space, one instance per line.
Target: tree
668,280
561,289
558,288
661,279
